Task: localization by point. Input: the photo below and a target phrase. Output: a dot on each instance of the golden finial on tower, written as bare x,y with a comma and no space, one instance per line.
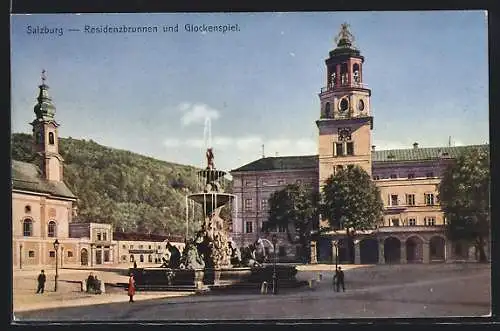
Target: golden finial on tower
345,37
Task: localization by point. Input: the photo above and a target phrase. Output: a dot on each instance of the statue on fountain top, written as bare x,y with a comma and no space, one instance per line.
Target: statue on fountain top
210,158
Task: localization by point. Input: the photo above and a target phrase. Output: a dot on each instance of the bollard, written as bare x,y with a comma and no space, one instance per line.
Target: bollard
263,288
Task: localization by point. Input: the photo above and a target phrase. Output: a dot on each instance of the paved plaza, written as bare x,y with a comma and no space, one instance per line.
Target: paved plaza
436,290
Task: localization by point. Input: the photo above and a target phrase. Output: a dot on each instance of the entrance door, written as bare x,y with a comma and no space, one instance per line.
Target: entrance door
84,257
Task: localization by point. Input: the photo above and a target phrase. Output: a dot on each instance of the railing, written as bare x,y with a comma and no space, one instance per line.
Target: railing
333,87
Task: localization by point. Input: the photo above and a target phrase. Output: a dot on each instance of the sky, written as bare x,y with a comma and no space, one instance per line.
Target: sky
171,94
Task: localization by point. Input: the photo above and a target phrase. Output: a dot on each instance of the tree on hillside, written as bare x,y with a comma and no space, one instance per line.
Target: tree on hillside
294,208
464,195
351,201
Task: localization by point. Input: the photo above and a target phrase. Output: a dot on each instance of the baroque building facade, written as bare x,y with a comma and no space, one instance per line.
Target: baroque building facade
412,229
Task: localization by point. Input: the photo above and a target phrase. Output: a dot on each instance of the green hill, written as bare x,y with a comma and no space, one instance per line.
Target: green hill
130,191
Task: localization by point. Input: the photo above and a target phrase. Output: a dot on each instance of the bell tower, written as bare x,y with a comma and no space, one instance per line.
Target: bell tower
45,136
345,122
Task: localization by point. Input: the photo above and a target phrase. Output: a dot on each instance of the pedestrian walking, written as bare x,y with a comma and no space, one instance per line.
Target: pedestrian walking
338,280
131,287
90,282
41,282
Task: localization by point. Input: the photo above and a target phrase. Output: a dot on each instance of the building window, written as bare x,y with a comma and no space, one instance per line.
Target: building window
131,258
248,227
141,258
104,236
282,251
394,176
281,182
131,246
376,177
410,199
339,168
410,176
339,149
430,221
412,222
124,258
394,200
31,254
98,236
350,148
70,253
263,204
141,246
150,247
52,254
27,228
429,199
27,209
327,110
150,258
106,255
429,175
395,221
124,246
51,231
281,228
248,204
51,138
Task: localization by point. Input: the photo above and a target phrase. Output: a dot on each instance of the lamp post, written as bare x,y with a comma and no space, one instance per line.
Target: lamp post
275,278
56,247
336,244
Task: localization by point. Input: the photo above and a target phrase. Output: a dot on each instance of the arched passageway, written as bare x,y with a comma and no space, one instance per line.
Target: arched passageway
368,250
436,249
84,256
392,250
346,250
414,250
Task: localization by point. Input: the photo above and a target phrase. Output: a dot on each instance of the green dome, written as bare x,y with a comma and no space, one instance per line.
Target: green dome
44,109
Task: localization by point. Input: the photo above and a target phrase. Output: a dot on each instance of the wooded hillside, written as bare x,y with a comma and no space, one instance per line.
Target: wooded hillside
130,191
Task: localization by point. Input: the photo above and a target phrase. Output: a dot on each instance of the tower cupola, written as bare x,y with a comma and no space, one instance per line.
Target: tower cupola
44,109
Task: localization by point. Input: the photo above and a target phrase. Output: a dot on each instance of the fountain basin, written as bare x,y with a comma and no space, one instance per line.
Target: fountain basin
215,200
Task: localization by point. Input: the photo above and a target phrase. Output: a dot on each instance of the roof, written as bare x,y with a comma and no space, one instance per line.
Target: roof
281,163
391,155
421,154
27,177
136,236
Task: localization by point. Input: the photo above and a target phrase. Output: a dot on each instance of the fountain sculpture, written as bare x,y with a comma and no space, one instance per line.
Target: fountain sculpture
211,257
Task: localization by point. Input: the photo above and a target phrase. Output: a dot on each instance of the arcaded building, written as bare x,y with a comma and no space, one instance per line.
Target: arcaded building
412,229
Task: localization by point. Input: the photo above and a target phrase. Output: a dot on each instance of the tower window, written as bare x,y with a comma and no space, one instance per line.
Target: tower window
350,148
51,138
339,149
51,229
327,110
355,70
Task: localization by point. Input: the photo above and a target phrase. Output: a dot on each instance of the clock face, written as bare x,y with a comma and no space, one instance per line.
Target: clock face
344,104
344,134
361,105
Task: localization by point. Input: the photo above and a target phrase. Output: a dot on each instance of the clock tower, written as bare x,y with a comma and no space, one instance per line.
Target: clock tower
345,122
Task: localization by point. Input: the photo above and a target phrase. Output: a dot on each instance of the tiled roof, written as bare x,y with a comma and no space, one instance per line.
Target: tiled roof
391,155
420,154
281,163
136,236
27,177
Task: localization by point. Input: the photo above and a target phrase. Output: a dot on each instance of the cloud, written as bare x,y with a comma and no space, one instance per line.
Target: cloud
197,113
194,143
172,142
249,142
384,145
222,141
292,54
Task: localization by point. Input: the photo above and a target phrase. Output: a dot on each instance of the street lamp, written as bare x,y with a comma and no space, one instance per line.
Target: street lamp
56,247
275,278
336,244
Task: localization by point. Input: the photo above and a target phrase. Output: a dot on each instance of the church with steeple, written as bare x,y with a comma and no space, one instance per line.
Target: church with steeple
412,228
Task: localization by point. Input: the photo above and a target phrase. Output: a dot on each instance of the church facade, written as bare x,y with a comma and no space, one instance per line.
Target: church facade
412,229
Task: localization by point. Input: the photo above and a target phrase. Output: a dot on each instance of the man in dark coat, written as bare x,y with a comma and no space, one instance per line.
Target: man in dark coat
339,278
90,282
41,282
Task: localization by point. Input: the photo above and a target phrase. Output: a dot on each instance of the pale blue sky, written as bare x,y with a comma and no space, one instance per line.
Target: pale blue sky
150,92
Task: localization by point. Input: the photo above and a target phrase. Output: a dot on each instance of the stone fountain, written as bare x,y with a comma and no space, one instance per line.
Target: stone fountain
210,259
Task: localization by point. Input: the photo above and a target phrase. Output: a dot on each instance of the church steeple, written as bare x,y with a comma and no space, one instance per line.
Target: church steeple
45,135
44,109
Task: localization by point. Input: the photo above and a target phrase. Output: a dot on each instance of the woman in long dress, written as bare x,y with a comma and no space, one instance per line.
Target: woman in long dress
131,287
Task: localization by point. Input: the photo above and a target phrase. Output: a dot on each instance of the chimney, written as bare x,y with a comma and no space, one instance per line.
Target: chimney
373,148
415,145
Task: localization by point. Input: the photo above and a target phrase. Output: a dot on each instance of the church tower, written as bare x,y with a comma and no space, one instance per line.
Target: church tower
45,136
345,122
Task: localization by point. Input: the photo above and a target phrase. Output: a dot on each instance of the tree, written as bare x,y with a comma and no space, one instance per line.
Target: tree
464,195
351,201
294,207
